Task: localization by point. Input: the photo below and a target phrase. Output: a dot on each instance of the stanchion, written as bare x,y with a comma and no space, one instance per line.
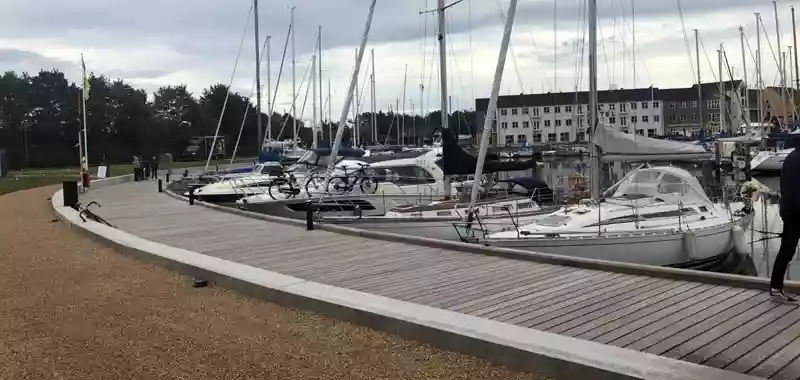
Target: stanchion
70,194
309,217
191,196
160,186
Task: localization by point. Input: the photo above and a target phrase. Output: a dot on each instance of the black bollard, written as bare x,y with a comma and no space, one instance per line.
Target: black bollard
70,193
191,195
167,176
309,217
160,186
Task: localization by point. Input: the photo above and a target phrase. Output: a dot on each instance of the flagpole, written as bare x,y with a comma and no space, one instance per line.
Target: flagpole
85,96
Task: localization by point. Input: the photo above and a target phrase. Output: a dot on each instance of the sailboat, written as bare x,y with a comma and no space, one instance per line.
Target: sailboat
655,216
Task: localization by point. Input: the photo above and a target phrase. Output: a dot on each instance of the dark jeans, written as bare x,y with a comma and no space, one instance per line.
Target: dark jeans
789,239
154,171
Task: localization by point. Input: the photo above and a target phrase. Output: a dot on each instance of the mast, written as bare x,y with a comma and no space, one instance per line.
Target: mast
349,99
320,82
721,90
269,88
443,80
330,115
781,63
492,108
759,79
592,114
258,75
372,100
397,118
356,125
744,82
294,81
796,68
699,82
314,141
403,115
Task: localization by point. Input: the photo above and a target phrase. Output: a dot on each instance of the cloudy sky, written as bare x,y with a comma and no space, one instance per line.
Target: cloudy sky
150,43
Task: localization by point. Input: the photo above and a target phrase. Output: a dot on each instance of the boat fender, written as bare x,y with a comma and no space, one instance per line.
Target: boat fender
690,244
739,240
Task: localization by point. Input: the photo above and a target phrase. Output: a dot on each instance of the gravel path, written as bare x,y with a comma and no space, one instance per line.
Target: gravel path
71,308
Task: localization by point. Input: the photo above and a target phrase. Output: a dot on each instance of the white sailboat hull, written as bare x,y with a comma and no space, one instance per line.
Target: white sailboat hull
770,161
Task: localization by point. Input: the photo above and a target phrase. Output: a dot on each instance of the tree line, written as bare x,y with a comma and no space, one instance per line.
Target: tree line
40,118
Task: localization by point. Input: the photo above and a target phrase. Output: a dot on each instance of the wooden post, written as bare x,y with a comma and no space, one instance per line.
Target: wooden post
191,196
160,186
309,216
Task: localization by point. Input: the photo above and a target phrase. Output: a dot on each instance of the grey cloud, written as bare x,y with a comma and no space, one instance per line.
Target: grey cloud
20,60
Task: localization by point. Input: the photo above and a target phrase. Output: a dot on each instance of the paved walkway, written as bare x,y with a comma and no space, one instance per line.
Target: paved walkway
71,308
726,327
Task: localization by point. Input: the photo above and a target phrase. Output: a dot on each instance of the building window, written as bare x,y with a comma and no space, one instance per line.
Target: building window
714,117
633,119
683,117
623,121
612,120
551,137
581,136
623,107
546,109
671,104
655,105
712,104
683,104
509,139
525,111
672,117
504,125
526,124
600,107
656,118
558,123
580,108
536,125
693,103
640,132
514,124
625,130
558,109
694,117
503,112
568,122
644,105
535,111
514,111
651,133
564,136
568,109
633,106
645,119
580,122
537,137
522,138
547,123
612,106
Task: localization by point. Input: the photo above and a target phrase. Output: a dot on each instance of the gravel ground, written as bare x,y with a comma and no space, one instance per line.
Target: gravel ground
71,308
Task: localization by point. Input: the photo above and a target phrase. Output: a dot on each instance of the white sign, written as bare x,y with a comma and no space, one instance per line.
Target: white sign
102,171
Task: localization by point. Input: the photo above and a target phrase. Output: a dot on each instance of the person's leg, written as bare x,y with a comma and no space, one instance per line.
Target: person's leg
789,239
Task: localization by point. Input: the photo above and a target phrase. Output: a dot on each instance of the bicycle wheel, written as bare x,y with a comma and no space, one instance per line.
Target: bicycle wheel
274,189
368,185
314,184
340,184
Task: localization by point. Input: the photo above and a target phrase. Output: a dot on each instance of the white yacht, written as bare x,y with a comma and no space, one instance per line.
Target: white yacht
234,187
655,216
770,160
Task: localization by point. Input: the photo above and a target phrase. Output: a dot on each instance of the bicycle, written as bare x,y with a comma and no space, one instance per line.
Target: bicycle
363,177
284,185
89,214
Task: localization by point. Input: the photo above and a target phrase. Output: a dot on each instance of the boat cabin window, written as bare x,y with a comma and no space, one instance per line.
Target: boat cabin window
553,220
671,184
525,205
272,170
406,175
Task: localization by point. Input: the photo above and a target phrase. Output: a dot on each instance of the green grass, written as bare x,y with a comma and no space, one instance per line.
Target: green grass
30,178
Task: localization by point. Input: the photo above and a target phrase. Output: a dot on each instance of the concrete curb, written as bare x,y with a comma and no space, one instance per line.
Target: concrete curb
517,347
678,274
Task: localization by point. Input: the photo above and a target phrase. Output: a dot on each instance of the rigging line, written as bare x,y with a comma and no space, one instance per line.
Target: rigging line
774,57
708,60
302,81
686,41
613,78
249,104
457,70
624,45
434,69
605,51
502,14
639,51
471,64
230,84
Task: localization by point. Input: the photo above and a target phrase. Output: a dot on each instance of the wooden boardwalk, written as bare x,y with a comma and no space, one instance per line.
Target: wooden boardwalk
720,326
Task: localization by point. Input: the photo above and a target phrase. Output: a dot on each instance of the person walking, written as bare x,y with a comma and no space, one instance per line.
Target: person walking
154,167
790,214
137,168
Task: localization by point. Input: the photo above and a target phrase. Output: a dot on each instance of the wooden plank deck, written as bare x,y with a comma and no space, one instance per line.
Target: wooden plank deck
720,326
